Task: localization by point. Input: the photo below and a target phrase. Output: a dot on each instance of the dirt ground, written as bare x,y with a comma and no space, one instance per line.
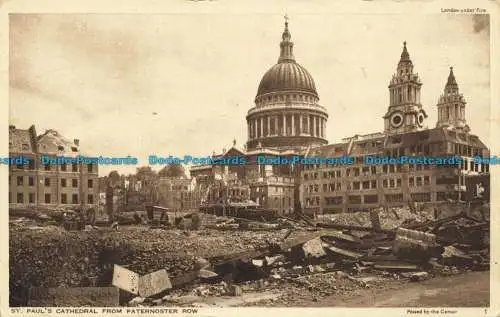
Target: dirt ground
470,289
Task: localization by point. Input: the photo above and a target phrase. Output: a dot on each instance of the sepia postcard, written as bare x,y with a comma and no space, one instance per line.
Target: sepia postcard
227,158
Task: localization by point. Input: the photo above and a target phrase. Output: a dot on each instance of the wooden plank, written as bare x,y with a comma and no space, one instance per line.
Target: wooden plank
381,258
401,266
73,296
355,228
341,236
346,253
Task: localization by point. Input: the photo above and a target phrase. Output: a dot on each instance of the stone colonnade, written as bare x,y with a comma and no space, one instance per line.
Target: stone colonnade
451,112
286,124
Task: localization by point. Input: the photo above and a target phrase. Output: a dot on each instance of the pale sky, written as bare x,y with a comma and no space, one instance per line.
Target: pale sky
101,78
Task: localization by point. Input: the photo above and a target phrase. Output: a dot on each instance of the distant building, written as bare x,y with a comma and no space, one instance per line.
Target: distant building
102,205
178,193
270,186
35,184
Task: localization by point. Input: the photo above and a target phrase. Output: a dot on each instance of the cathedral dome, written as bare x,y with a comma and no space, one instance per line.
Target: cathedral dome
286,115
287,76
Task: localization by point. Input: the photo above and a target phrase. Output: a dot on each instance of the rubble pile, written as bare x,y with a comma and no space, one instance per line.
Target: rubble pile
305,261
176,250
51,256
397,216
319,285
42,213
48,257
231,223
325,262
390,219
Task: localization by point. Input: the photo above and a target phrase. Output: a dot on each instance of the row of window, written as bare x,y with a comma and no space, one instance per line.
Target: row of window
48,167
386,183
365,171
285,201
371,199
467,165
237,192
412,182
461,149
216,194
391,183
338,186
419,181
278,189
273,189
419,149
351,199
277,98
312,201
48,198
179,187
47,181
26,147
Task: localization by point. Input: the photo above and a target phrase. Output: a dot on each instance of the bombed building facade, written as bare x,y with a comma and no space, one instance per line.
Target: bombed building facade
287,120
34,184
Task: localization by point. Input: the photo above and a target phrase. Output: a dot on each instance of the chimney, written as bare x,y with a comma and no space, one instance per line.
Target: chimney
77,142
33,136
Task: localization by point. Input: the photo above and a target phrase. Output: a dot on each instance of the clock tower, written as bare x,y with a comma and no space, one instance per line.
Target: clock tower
405,113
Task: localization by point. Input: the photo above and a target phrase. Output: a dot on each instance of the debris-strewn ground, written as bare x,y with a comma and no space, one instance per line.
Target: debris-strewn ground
469,289
440,291
285,263
51,256
395,217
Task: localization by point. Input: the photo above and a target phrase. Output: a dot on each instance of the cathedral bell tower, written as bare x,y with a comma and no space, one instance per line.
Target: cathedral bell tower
405,113
451,106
